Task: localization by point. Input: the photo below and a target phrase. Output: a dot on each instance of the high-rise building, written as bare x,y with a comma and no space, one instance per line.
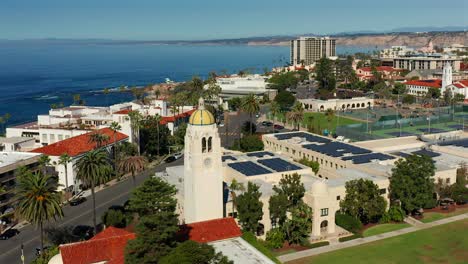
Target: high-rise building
307,50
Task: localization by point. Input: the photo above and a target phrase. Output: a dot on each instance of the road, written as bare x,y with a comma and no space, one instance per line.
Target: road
117,194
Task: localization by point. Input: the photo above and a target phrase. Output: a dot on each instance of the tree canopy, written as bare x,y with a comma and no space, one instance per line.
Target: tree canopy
363,201
249,208
190,252
325,75
412,183
285,99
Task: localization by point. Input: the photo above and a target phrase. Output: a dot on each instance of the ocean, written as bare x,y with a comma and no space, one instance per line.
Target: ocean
36,74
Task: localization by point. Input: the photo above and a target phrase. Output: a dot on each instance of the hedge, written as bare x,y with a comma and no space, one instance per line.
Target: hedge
319,244
252,240
343,239
348,222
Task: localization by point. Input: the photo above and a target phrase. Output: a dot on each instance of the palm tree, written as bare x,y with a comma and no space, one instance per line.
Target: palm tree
330,114
235,186
44,161
135,122
98,138
114,126
64,159
38,199
132,164
157,93
296,115
93,169
251,106
274,110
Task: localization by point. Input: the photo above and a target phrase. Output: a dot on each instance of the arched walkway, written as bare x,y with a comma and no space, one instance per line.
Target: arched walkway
324,227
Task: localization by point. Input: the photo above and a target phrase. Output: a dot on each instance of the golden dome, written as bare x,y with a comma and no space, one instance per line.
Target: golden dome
201,117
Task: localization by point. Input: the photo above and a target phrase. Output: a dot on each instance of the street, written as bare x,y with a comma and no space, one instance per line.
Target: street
117,194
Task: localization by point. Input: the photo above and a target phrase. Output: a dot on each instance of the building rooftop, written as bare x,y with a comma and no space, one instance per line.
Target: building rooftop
426,83
8,158
239,251
15,140
107,246
212,230
80,144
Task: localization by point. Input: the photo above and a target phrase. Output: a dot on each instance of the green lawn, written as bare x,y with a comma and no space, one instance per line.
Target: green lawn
441,244
432,216
384,228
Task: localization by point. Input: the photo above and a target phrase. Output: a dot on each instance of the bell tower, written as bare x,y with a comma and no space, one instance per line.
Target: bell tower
203,172
446,77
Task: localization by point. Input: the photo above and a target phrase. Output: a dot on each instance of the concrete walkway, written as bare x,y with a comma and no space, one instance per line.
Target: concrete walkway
360,241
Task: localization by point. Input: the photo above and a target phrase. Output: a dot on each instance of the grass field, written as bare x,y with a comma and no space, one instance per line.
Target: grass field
441,244
433,216
384,228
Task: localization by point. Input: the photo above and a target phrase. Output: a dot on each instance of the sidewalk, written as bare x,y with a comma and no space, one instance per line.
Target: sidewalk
359,241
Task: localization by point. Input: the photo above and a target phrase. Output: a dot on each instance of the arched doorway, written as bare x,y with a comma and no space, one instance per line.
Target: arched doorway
324,227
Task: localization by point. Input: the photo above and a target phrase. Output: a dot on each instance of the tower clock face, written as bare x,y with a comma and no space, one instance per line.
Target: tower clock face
207,162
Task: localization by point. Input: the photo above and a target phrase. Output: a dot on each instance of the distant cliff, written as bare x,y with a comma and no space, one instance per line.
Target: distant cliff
382,40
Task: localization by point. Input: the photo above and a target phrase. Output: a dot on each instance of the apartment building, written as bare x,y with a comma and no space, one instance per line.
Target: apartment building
307,50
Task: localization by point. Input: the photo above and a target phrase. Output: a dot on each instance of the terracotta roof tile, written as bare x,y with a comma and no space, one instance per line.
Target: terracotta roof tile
109,246
123,112
212,230
171,119
427,83
75,146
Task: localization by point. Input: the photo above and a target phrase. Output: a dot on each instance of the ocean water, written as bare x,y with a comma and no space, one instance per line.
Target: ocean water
35,74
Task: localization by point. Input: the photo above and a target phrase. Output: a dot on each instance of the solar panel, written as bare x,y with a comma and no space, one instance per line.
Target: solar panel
249,168
227,157
366,158
307,136
279,165
426,152
260,154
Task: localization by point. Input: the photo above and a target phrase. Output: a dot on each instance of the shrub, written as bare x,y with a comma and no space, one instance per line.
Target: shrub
348,222
252,240
115,218
48,254
275,238
395,213
343,239
386,218
316,245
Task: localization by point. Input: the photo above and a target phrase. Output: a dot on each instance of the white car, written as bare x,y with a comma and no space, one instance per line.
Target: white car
178,155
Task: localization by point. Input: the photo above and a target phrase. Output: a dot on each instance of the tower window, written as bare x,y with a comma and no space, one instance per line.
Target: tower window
203,144
210,144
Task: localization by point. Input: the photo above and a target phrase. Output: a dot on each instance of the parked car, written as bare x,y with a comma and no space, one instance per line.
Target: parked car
78,200
178,155
9,234
170,159
276,126
83,232
267,123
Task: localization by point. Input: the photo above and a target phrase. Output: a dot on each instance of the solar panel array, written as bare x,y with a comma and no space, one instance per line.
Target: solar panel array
366,158
307,136
459,143
336,149
227,157
278,164
426,152
249,168
260,154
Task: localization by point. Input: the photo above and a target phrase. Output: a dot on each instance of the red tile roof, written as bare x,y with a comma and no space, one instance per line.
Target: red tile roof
80,144
461,84
109,246
123,112
427,83
212,230
171,119
463,66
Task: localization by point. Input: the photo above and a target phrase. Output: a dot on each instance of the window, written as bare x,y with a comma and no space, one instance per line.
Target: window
324,212
44,137
52,138
338,198
60,137
203,144
383,191
447,180
209,144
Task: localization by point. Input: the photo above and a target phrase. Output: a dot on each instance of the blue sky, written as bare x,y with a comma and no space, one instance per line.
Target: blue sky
210,19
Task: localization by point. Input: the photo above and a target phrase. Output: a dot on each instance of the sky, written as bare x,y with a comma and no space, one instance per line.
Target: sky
215,19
